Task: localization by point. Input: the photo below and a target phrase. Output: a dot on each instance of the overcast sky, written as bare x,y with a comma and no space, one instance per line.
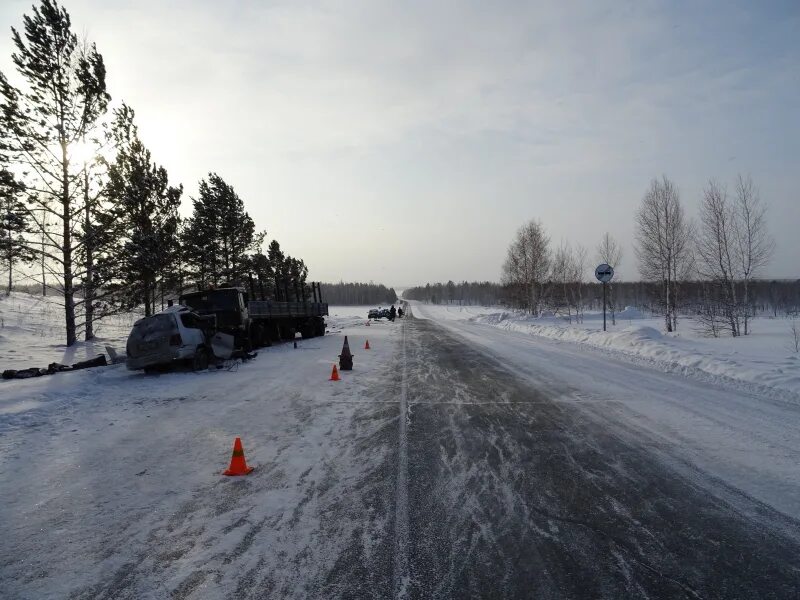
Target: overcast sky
405,142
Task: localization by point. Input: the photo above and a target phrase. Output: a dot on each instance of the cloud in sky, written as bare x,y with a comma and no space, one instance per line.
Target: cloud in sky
405,142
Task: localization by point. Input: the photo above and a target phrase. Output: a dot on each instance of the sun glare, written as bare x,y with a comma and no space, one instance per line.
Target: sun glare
81,152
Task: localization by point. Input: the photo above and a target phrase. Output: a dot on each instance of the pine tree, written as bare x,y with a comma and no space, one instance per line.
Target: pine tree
144,219
263,272
297,274
219,235
277,260
42,126
200,245
14,224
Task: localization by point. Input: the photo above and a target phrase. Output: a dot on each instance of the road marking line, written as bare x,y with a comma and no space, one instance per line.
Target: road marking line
401,574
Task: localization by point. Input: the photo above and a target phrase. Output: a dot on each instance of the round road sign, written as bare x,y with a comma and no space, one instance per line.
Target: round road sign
604,273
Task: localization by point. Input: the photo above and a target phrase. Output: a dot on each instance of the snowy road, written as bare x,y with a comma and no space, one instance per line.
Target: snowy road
456,460
525,483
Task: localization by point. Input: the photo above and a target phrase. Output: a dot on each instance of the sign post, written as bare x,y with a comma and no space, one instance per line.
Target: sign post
604,274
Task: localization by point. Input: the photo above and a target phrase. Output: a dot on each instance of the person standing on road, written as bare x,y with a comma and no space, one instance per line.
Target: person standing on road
400,312
392,313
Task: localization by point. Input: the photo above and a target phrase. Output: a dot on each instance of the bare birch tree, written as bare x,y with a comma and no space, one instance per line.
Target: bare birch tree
733,245
754,244
568,276
580,261
663,244
716,248
527,264
561,274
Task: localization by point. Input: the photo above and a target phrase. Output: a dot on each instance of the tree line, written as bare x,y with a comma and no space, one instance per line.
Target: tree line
357,294
476,293
87,209
708,268
776,297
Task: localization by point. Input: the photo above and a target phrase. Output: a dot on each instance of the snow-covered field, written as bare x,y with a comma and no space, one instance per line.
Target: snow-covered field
765,360
111,485
32,333
106,474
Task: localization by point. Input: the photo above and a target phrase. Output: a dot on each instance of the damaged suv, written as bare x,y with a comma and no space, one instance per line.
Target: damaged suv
175,335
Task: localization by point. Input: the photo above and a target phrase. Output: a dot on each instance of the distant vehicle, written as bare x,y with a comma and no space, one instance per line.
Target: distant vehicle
175,335
374,313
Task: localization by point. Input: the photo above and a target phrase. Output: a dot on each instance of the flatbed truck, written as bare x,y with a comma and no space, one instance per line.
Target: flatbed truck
256,323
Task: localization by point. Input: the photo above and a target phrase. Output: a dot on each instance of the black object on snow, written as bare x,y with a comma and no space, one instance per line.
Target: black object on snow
346,358
23,373
98,361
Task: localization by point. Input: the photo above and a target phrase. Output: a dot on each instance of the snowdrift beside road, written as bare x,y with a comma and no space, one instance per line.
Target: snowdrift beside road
762,360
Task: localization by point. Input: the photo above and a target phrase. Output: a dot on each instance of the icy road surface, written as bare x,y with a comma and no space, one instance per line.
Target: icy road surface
455,461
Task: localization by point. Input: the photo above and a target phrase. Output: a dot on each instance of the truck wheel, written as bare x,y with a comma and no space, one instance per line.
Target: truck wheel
320,327
256,336
200,360
273,334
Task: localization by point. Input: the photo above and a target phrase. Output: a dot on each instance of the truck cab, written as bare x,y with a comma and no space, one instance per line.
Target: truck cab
228,305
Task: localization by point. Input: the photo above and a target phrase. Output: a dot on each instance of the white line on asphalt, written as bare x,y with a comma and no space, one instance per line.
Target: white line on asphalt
401,574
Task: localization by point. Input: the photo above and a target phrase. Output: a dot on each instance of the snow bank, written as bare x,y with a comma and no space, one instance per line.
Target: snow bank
758,360
762,359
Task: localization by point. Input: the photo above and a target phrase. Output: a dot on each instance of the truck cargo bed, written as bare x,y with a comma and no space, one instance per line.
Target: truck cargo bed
268,309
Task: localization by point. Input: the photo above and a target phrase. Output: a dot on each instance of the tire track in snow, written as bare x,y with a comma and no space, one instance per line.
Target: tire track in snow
515,493
401,571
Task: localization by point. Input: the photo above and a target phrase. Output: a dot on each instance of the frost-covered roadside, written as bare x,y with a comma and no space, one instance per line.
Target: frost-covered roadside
32,333
762,360
111,486
743,437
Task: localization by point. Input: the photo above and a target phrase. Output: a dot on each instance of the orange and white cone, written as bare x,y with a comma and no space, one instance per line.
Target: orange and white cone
366,346
334,374
238,463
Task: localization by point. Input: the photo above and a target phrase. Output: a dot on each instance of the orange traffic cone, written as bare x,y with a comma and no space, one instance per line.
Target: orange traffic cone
334,374
366,346
238,463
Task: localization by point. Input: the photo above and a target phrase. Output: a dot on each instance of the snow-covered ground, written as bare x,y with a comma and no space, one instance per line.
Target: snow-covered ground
32,333
765,361
106,474
732,428
111,485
